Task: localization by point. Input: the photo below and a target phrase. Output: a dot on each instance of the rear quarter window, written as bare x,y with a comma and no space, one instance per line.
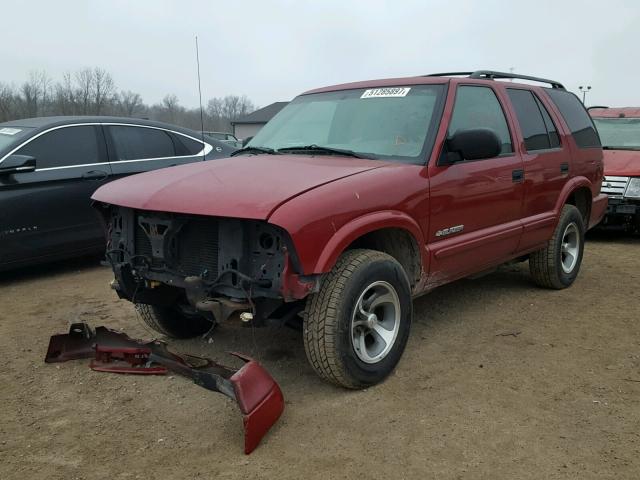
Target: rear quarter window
579,122
186,146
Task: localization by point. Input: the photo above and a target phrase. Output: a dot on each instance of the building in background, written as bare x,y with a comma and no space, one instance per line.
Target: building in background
248,125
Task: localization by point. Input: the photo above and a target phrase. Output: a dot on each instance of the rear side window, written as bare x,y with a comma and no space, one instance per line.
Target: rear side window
577,118
64,147
187,146
137,143
538,130
478,107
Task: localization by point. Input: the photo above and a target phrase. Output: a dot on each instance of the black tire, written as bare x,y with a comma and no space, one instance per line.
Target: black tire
548,266
328,331
177,321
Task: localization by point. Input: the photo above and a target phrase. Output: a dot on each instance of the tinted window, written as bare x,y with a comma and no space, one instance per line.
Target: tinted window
530,119
186,145
64,147
134,143
554,138
478,107
574,113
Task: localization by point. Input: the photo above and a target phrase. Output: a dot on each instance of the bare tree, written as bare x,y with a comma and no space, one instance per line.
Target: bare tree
8,103
171,105
93,91
130,103
35,93
103,90
64,102
84,86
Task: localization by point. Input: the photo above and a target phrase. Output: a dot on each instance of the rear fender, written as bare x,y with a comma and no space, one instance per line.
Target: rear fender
571,186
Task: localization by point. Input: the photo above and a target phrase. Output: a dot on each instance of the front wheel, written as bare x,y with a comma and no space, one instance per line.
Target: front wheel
176,321
557,265
356,327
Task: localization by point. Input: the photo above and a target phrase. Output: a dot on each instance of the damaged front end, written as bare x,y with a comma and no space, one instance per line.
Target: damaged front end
256,393
218,265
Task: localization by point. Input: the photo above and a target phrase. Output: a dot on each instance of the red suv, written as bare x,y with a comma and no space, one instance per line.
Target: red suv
353,200
619,130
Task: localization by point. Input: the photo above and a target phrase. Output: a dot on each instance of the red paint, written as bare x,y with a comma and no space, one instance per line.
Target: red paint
246,186
624,163
325,203
259,398
629,112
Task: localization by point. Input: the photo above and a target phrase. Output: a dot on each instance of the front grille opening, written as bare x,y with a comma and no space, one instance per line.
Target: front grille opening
190,251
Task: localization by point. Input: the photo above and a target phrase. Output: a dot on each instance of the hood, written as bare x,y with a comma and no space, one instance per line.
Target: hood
246,186
623,163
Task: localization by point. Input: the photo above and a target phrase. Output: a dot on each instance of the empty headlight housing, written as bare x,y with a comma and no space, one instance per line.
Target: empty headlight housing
633,189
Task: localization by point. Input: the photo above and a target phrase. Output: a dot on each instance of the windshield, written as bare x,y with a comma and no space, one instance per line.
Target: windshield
619,133
382,123
11,136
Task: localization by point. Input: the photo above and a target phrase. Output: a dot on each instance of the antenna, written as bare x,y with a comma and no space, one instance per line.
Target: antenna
200,95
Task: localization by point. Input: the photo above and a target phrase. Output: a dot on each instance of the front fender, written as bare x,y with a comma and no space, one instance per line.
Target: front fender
362,225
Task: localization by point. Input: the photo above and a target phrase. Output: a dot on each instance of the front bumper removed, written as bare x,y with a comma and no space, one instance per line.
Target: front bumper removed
257,394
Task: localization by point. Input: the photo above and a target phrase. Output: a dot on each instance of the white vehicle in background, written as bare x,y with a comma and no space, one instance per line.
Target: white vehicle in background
225,137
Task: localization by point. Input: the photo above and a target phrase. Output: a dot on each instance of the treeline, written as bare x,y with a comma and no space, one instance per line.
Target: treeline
92,91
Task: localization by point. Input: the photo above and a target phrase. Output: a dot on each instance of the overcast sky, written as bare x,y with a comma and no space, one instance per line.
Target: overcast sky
273,50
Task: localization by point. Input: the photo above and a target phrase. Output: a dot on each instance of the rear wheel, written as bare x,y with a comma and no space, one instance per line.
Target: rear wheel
176,321
557,265
357,325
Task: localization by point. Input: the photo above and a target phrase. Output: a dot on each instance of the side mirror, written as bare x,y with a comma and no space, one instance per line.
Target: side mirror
17,164
472,144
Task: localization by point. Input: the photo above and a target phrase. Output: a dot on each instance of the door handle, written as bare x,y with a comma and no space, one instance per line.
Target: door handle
95,175
517,175
564,168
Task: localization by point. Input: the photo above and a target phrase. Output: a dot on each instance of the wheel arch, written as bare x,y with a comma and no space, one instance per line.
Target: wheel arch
577,192
392,232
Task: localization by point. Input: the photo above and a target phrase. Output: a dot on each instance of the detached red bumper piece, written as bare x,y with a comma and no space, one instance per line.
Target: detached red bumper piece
257,394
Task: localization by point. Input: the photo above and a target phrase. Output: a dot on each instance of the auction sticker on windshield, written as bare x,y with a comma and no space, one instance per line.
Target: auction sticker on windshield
386,92
10,131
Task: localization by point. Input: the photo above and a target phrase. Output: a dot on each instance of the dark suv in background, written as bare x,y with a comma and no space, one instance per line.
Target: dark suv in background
50,166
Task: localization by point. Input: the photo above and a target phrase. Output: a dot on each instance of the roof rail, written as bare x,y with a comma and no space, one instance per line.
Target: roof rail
492,75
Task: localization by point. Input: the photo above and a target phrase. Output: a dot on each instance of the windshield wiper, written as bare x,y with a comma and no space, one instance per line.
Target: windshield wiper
250,149
330,150
608,147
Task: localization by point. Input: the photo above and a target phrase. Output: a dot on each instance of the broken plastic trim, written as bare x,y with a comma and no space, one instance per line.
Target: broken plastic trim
257,394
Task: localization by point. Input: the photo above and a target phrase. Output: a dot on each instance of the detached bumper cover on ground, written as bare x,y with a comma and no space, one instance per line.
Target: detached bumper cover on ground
257,394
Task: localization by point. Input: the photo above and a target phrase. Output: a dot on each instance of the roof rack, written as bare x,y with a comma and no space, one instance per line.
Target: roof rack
491,75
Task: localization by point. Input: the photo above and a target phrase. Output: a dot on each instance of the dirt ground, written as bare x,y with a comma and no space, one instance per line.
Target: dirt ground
500,379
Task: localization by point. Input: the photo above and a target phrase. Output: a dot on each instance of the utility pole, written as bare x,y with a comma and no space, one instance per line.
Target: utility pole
584,91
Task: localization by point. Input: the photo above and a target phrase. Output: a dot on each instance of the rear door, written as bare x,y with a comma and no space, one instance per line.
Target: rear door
135,149
48,212
546,165
475,205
